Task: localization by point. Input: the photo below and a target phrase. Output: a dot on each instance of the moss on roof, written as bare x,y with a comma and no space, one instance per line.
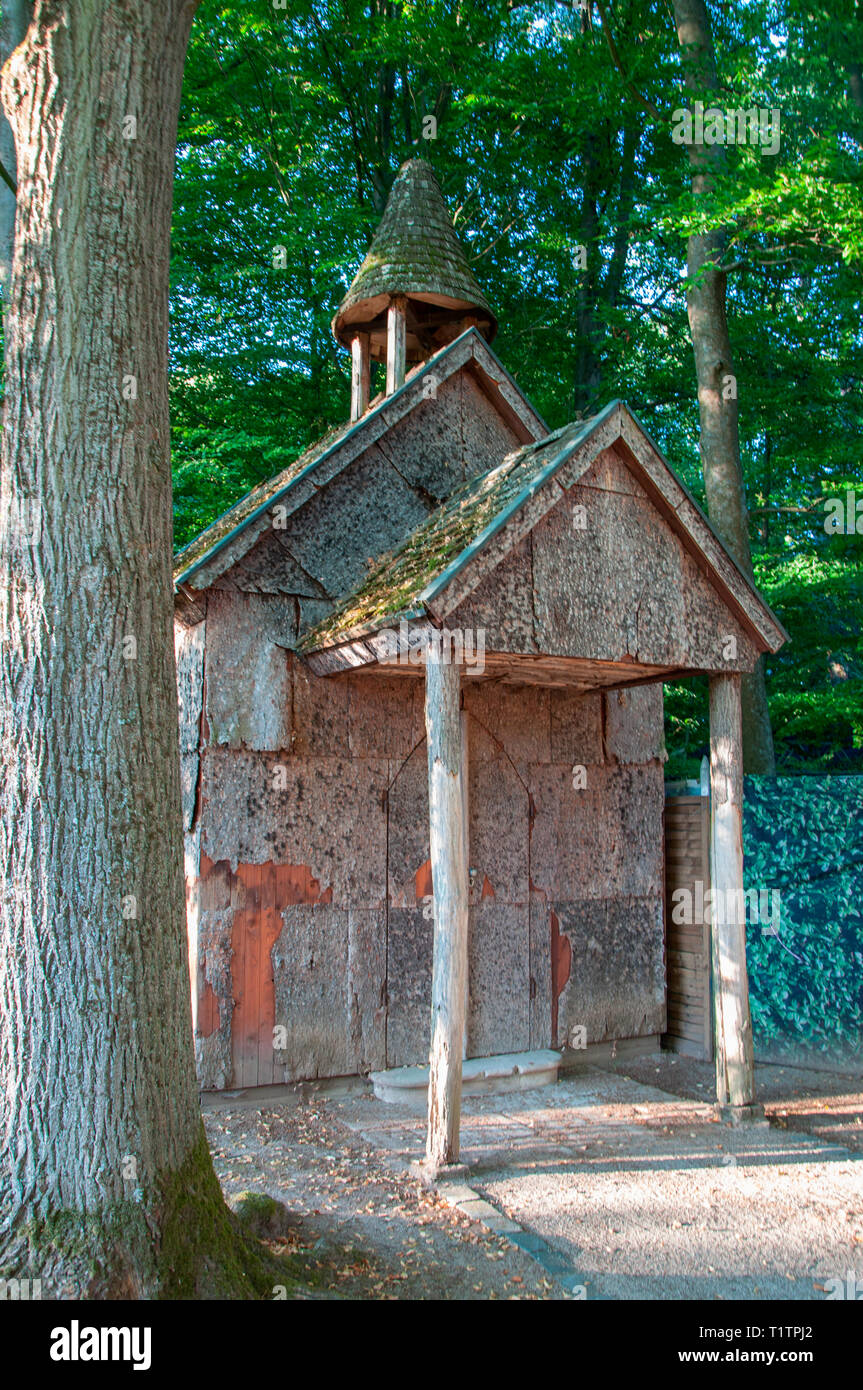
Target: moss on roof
415,249
394,588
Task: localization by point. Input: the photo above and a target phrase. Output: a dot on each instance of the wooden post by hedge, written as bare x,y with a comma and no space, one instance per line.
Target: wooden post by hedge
735,1072
448,840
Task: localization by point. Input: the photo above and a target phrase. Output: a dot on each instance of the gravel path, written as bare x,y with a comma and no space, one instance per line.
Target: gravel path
825,1103
623,1186
646,1195
364,1231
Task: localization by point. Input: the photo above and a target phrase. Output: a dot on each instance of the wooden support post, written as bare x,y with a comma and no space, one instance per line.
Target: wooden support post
465,812
448,839
396,346
360,375
735,1069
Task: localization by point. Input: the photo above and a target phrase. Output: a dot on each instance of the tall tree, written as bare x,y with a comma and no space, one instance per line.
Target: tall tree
714,365
107,1185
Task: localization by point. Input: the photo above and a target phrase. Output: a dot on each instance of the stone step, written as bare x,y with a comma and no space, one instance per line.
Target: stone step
510,1071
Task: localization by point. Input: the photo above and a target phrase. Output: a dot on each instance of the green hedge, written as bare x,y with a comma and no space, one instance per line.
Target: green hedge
804,836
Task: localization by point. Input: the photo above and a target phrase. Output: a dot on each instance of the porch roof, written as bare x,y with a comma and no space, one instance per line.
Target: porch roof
450,551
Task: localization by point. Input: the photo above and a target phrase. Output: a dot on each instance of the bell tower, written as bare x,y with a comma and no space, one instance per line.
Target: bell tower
414,292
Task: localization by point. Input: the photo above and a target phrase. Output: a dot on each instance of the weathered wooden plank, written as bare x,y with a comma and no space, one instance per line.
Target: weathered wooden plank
681,1011
248,679
688,960
687,944
688,1012
682,1000
189,652
686,982
634,725
271,927
692,1033
310,978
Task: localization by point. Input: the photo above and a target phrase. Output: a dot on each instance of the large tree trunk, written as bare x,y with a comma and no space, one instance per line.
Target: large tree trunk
108,1188
714,366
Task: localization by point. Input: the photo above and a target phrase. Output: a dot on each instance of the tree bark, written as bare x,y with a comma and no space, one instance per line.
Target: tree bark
714,369
14,18
107,1184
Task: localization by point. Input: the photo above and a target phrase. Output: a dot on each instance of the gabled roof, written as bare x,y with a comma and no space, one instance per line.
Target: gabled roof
448,554
233,534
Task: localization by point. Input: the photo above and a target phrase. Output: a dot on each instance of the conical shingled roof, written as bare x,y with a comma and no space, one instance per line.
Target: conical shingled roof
415,252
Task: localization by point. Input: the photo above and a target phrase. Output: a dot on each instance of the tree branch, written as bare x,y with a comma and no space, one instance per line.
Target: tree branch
618,63
8,179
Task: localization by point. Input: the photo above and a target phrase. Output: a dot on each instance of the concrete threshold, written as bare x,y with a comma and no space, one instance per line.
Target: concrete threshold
509,1071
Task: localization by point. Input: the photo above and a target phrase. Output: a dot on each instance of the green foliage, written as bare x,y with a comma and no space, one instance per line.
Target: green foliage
804,837
553,132
814,682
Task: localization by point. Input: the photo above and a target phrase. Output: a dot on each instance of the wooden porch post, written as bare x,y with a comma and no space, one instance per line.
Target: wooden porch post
448,839
735,1071
396,346
360,374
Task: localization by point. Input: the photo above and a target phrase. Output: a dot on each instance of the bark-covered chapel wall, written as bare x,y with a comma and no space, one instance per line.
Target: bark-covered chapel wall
566,839
313,908
566,898
293,838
